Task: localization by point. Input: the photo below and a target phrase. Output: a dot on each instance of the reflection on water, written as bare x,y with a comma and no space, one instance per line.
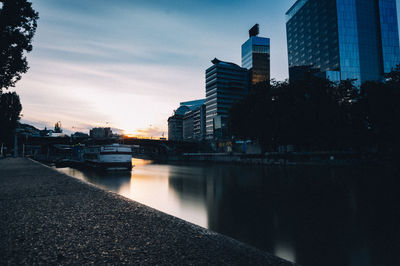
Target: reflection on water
150,184
310,215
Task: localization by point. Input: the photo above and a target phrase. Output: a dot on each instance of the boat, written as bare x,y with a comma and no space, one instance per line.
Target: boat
110,157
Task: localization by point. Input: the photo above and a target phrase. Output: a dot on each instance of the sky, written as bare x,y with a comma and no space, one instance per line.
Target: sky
127,64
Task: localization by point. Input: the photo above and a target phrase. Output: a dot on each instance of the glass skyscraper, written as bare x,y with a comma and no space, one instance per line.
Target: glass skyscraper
226,83
343,39
256,57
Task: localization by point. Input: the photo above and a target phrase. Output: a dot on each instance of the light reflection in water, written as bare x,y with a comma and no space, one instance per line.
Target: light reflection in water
310,215
149,184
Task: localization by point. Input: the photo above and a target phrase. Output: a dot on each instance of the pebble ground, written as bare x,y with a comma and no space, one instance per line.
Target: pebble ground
49,218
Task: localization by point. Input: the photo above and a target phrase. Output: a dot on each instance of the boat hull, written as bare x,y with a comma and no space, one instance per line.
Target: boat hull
110,165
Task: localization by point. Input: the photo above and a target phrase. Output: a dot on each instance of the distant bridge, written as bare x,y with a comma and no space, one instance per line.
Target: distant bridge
150,148
157,148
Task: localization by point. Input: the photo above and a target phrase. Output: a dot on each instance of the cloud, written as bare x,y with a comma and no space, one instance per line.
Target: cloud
128,63
114,93
151,132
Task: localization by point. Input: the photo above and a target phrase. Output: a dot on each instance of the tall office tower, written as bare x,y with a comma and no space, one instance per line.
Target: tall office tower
226,83
343,39
256,56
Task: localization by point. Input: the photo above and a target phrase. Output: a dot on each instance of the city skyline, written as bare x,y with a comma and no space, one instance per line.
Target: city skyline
128,65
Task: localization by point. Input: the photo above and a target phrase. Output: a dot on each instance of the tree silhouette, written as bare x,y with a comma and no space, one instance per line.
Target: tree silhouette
380,104
311,113
10,109
315,114
18,22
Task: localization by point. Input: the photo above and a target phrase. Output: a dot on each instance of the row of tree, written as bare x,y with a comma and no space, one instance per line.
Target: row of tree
18,22
317,114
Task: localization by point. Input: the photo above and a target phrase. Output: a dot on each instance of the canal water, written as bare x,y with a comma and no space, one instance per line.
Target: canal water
312,215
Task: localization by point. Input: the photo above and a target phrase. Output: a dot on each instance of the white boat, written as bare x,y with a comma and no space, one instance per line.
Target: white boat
113,156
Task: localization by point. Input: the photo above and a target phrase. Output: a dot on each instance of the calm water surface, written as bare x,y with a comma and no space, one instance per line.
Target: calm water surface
309,215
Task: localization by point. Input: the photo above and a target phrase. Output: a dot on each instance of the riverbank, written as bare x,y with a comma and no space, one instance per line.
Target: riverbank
51,218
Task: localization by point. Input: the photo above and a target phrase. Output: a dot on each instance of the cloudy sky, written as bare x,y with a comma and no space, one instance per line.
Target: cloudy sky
128,63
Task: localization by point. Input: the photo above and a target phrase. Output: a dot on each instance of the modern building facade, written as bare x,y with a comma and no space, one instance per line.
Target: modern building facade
100,132
226,83
343,39
199,123
175,127
187,122
194,124
256,56
188,126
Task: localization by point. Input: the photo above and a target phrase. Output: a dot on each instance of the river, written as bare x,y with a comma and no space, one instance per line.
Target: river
312,215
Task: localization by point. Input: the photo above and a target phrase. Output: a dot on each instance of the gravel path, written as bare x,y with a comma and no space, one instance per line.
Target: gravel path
51,218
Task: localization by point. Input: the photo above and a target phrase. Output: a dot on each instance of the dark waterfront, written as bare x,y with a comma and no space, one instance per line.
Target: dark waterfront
314,215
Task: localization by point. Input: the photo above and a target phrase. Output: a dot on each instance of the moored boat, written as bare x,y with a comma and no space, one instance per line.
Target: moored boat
109,157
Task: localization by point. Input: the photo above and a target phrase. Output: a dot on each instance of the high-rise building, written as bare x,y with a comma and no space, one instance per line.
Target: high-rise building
343,39
256,56
226,83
